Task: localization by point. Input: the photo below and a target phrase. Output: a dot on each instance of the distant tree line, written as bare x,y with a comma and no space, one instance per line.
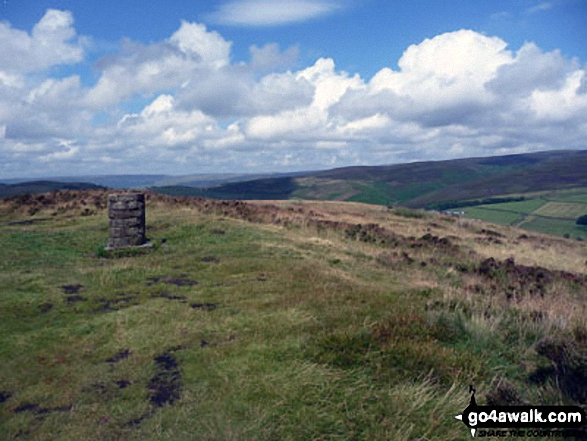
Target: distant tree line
460,204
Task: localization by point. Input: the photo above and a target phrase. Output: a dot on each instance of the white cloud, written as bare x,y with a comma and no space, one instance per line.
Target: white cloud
271,12
236,92
531,69
270,57
449,70
502,15
542,6
163,132
61,155
209,47
562,104
190,53
53,41
457,94
308,121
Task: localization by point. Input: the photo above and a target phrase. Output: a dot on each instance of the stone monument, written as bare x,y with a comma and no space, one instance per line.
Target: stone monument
127,220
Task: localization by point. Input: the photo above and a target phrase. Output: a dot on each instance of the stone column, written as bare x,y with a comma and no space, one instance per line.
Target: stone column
127,220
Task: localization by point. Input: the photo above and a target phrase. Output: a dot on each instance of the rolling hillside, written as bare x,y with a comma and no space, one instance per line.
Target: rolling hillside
36,187
479,184
417,185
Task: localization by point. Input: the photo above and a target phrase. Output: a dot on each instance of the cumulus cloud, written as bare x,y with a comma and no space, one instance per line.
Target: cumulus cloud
160,125
208,47
235,91
270,57
311,121
458,94
531,69
191,52
53,41
271,12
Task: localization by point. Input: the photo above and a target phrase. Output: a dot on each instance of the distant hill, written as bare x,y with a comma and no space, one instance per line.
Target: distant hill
417,185
199,180
110,181
33,187
260,189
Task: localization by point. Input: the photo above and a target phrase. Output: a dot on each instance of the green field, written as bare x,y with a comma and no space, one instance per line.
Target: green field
562,210
548,212
558,227
487,214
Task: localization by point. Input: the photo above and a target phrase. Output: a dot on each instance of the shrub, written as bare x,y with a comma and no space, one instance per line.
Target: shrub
582,220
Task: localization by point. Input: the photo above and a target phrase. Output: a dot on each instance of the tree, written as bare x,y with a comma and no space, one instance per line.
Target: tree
582,220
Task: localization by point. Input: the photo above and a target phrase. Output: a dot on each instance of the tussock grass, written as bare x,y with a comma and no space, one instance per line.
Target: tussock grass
283,332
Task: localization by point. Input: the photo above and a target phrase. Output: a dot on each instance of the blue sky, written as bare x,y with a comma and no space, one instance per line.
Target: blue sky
280,85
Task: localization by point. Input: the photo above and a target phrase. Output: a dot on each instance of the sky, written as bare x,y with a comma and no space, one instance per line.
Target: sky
249,86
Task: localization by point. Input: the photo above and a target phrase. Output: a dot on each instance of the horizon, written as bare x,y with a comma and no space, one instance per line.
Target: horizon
252,86
20,179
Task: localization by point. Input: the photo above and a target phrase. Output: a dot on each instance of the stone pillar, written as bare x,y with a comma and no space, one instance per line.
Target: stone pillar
127,220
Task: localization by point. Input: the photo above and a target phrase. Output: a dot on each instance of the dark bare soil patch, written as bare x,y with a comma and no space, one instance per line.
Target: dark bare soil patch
71,289
125,353
492,233
152,280
105,307
100,388
489,239
182,280
109,305
210,259
74,299
5,396
28,221
204,306
218,232
46,307
39,410
165,387
108,388
137,421
122,384
164,295
123,300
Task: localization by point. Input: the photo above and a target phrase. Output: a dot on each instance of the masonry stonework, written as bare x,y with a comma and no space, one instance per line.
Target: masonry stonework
127,220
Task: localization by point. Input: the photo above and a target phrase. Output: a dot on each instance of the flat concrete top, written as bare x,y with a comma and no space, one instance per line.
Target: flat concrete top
122,197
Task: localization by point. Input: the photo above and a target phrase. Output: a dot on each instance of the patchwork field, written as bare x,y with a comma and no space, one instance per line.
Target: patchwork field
280,320
548,212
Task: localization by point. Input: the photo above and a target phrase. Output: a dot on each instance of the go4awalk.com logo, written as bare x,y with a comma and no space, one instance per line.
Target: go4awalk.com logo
522,421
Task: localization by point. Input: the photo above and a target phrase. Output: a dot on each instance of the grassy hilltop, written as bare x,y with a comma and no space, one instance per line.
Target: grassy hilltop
278,320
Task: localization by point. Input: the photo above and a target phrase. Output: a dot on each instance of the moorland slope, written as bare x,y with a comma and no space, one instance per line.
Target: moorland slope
278,320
